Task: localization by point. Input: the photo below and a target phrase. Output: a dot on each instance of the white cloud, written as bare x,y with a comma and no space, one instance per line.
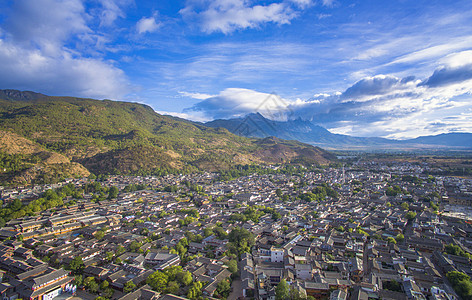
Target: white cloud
199,96
196,117
237,102
245,64
328,3
323,16
46,24
457,59
112,10
34,53
147,25
382,105
227,16
435,51
65,74
302,3
455,68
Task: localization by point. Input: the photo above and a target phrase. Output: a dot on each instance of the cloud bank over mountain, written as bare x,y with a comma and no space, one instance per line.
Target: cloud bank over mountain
395,107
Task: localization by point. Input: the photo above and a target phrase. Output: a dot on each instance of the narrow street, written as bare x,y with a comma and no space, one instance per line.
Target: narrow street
237,290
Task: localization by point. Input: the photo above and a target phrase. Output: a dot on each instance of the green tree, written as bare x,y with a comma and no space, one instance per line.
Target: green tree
78,280
405,206
276,216
295,294
184,278
120,250
392,285
91,284
76,265
400,238
223,288
461,284
241,241
282,290
172,272
278,192
220,233
172,287
16,205
433,206
104,285
109,255
129,287
410,215
113,192
134,246
158,281
195,290
233,267
108,292
207,232
99,235
456,276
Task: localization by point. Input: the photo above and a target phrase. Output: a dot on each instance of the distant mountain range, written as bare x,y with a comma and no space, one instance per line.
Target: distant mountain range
256,125
44,138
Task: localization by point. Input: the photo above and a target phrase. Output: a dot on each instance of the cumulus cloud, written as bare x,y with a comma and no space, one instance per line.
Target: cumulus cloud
37,51
227,16
238,102
46,24
369,86
66,74
382,105
447,76
147,25
457,68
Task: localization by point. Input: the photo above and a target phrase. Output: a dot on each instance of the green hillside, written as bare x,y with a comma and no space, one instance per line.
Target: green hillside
114,137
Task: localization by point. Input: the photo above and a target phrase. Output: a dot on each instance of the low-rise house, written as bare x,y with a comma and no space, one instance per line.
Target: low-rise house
46,286
160,261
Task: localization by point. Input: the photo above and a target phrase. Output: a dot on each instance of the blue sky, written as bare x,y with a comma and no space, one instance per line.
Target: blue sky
394,69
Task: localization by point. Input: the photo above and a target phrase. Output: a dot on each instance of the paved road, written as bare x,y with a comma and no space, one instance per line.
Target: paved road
237,290
81,295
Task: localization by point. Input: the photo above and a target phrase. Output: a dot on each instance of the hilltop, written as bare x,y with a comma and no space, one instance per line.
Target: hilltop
112,137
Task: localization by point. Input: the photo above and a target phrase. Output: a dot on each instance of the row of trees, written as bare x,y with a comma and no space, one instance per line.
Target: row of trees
461,283
456,250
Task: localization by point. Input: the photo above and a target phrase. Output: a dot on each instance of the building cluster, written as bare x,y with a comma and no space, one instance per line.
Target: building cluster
381,236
